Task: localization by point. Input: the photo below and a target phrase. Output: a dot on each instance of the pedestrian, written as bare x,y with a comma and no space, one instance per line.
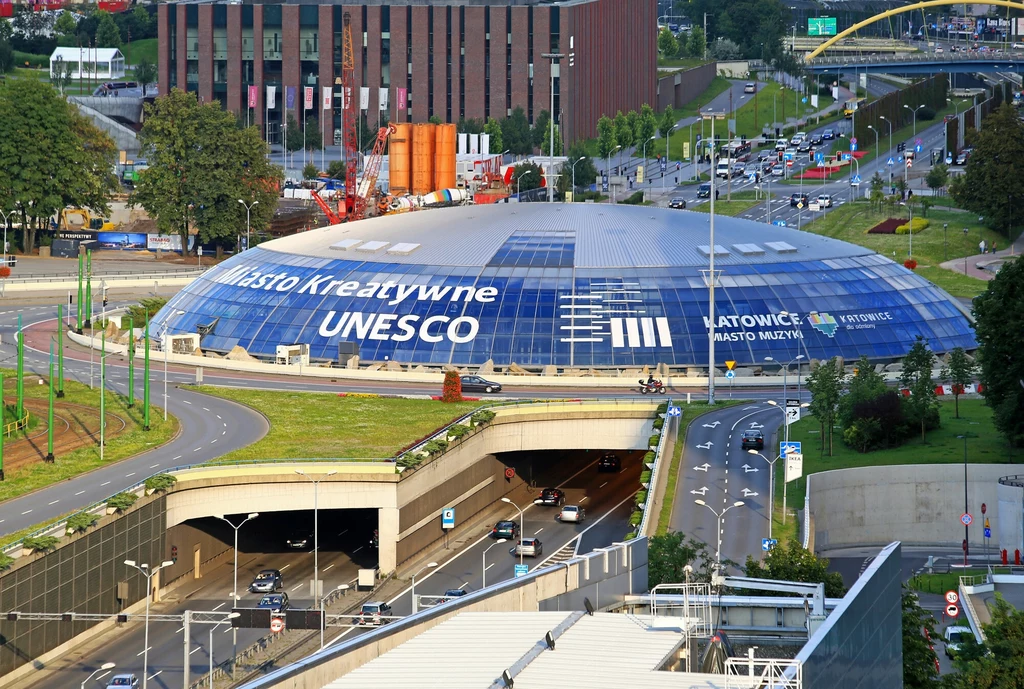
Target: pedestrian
993,247
981,246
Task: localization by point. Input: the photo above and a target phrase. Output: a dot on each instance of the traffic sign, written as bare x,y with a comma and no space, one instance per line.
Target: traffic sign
846,156
752,177
984,509
949,160
768,543
730,374
952,610
988,532
276,624
522,570
730,365
952,596
674,411
819,157
966,519
814,206
779,223
799,205
787,156
855,180
917,141
510,473
821,163
910,163
853,140
917,149
890,162
794,446
448,518
789,163
853,147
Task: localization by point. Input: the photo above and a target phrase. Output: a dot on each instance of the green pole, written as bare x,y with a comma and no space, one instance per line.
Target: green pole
88,301
60,350
103,390
81,272
3,421
131,363
88,262
49,412
21,371
145,383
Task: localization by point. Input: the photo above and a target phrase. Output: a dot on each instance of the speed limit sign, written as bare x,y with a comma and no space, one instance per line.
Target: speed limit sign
276,624
952,597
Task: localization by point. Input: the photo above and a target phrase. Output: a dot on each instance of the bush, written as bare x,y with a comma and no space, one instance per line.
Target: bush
81,521
5,271
630,536
408,461
484,416
663,408
146,308
649,457
452,391
653,440
636,518
122,501
5,561
634,199
160,483
926,113
919,224
40,544
910,264
39,61
659,423
435,446
645,476
641,497
458,431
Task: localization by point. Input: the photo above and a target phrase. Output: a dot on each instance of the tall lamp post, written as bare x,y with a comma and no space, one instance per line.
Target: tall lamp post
5,236
718,529
248,208
234,588
872,128
519,184
574,176
316,545
967,546
914,110
785,411
415,605
145,571
228,617
522,525
483,570
712,278
646,171
554,57
667,137
771,487
910,234
164,345
101,668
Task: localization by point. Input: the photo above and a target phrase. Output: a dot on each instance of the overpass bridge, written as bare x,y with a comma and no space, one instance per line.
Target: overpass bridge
919,63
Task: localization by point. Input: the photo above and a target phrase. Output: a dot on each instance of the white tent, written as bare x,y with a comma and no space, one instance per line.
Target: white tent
98,63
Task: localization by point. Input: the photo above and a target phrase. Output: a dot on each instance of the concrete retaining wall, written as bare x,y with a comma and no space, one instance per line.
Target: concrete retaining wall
680,88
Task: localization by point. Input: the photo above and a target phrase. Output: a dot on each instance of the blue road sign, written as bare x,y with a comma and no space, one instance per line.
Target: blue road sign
730,374
664,164
917,148
821,163
604,183
522,570
675,411
804,99
855,180
890,162
448,518
752,177
846,156
819,157
988,532
768,543
780,223
793,446
853,147
787,156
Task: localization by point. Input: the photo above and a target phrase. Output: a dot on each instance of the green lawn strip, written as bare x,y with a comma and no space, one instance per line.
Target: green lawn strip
955,283
681,62
136,50
741,201
943,446
940,583
128,443
318,425
717,87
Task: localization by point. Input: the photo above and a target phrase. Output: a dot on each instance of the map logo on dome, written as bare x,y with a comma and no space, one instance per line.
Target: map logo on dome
823,323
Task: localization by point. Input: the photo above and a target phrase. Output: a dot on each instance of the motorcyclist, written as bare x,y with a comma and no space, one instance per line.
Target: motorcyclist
650,380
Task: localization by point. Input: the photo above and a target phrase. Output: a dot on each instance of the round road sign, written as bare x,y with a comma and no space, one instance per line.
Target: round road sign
510,472
952,610
952,597
789,163
966,519
276,624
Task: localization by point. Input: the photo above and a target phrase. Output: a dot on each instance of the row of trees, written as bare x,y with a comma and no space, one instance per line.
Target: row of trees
39,33
513,133
693,44
632,129
755,27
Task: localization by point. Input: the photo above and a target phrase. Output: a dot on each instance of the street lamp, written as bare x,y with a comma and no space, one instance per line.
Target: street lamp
914,110
519,184
163,343
771,488
234,588
248,208
719,515
5,236
668,136
554,57
316,545
101,668
522,525
890,132
144,570
429,565
965,436
910,233
872,128
230,616
483,572
574,177
646,171
712,276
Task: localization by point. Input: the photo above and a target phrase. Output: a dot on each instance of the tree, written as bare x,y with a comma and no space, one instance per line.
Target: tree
991,185
141,24
959,372
877,192
864,385
66,29
999,320
336,169
293,135
435,119
541,125
667,122
144,72
937,177
623,131
826,387
667,45
516,134
526,176
633,118
314,138
647,125
107,33
200,165
544,145
725,49
309,171
605,136
1000,663
6,56
916,376
493,129
670,554
788,561
586,172
696,46
60,73
470,126
919,660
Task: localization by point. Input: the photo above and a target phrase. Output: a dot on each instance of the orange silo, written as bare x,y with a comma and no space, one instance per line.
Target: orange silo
400,159
422,159
444,157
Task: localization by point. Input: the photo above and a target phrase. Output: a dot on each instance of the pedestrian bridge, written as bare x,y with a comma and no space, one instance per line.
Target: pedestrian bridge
919,63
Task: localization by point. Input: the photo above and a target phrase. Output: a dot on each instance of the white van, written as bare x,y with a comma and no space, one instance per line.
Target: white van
724,168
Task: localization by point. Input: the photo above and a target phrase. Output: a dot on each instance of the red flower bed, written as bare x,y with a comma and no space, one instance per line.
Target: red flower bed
887,226
910,264
452,390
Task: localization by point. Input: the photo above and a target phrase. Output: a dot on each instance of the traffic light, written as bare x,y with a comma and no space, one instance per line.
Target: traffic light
174,553
900,148
105,301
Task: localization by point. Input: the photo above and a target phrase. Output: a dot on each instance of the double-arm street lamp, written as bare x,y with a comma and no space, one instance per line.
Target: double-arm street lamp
248,209
234,588
718,528
101,668
522,525
581,158
316,545
144,569
914,110
424,568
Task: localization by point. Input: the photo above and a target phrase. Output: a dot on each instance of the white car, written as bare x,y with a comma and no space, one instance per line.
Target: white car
1017,46
781,145
938,50
953,636
797,138
825,201
572,513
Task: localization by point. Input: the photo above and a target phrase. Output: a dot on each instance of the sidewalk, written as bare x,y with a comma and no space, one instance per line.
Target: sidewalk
985,266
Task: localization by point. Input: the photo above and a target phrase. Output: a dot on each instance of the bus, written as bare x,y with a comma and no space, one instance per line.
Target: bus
852,106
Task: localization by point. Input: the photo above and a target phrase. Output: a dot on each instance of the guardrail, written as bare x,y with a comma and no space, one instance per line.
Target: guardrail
16,425
1016,480
641,528
915,58
109,277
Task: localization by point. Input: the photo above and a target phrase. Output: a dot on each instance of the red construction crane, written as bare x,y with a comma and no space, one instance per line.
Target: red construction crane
349,97
332,217
370,173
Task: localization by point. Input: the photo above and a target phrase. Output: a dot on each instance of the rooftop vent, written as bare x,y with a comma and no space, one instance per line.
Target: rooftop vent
781,247
749,249
345,244
719,250
403,248
372,246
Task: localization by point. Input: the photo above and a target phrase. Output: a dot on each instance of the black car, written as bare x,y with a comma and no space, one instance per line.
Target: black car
817,139
804,146
764,155
752,440
478,384
551,496
609,462
300,539
704,191
505,529
797,199
677,202
267,581
274,602
452,594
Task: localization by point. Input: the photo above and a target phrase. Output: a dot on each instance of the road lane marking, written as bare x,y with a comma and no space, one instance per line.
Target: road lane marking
215,440
55,502
343,532
194,650
286,567
328,566
154,466
488,566
223,432
143,651
155,674
25,512
186,402
603,484
357,550
296,588
176,458
205,409
197,449
218,417
538,531
129,475
219,607
107,483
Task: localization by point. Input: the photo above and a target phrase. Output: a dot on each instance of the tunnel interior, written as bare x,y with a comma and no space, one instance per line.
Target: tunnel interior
544,468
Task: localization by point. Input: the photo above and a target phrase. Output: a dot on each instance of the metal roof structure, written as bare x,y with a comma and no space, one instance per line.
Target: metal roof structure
603,235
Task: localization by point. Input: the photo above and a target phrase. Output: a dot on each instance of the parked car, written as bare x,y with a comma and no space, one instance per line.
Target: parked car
752,440
954,636
572,513
122,681
797,199
274,602
704,190
528,547
505,529
677,202
825,200
478,384
551,496
750,87
300,539
609,462
828,134
267,581
373,614
961,158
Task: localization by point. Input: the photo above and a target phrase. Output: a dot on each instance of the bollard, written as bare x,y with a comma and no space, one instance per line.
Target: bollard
1003,555
1016,556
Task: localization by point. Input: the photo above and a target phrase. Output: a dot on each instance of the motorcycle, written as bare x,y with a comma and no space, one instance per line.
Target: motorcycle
654,387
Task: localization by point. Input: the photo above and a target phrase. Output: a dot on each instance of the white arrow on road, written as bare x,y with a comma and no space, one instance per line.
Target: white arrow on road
749,408
700,492
702,467
706,446
747,468
712,425
755,424
747,493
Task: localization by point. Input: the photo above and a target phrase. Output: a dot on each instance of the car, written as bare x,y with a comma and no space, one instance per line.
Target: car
938,50
724,169
274,602
797,199
817,139
792,151
750,87
300,539
766,166
764,155
961,158
738,169
375,539
551,496
753,170
609,462
752,440
122,681
778,170
452,594
505,529
572,513
953,636
478,384
824,200
797,138
677,202
828,134
804,146
704,191
781,145
267,581
528,547
373,614
1017,46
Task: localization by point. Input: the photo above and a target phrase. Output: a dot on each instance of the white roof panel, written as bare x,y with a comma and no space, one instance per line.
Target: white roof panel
372,246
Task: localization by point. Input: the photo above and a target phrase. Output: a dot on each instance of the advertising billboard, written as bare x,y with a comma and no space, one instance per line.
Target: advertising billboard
821,26
167,242
124,241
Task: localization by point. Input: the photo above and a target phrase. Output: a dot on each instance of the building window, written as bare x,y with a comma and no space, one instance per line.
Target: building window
220,44
508,61
271,43
309,44
529,52
247,46
448,65
430,62
191,43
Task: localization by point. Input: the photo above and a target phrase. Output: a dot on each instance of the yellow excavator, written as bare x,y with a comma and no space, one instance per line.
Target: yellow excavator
88,221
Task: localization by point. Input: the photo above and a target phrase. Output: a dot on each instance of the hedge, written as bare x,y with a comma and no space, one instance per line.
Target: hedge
636,518
435,446
80,522
122,501
408,461
919,224
663,408
653,440
481,417
40,544
5,561
645,476
641,497
659,423
649,457
160,483
458,430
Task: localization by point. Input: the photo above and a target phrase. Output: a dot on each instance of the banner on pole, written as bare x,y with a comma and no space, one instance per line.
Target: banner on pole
364,97
289,97
271,97
402,98
253,95
383,95
307,97
328,97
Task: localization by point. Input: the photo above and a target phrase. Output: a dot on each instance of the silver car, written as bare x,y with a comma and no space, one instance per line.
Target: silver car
528,547
572,513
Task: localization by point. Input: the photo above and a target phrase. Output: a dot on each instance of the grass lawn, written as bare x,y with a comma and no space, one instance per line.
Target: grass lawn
136,50
681,62
325,425
940,583
741,201
943,446
132,441
956,284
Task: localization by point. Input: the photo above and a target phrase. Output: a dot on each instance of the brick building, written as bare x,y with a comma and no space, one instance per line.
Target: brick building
454,59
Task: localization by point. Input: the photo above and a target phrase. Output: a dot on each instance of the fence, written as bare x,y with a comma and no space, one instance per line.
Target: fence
16,425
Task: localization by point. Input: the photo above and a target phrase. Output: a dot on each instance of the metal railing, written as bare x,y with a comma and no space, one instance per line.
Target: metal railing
109,277
646,507
16,425
1016,480
916,58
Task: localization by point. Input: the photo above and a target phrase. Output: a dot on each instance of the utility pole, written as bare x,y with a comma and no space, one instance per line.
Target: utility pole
60,351
551,126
